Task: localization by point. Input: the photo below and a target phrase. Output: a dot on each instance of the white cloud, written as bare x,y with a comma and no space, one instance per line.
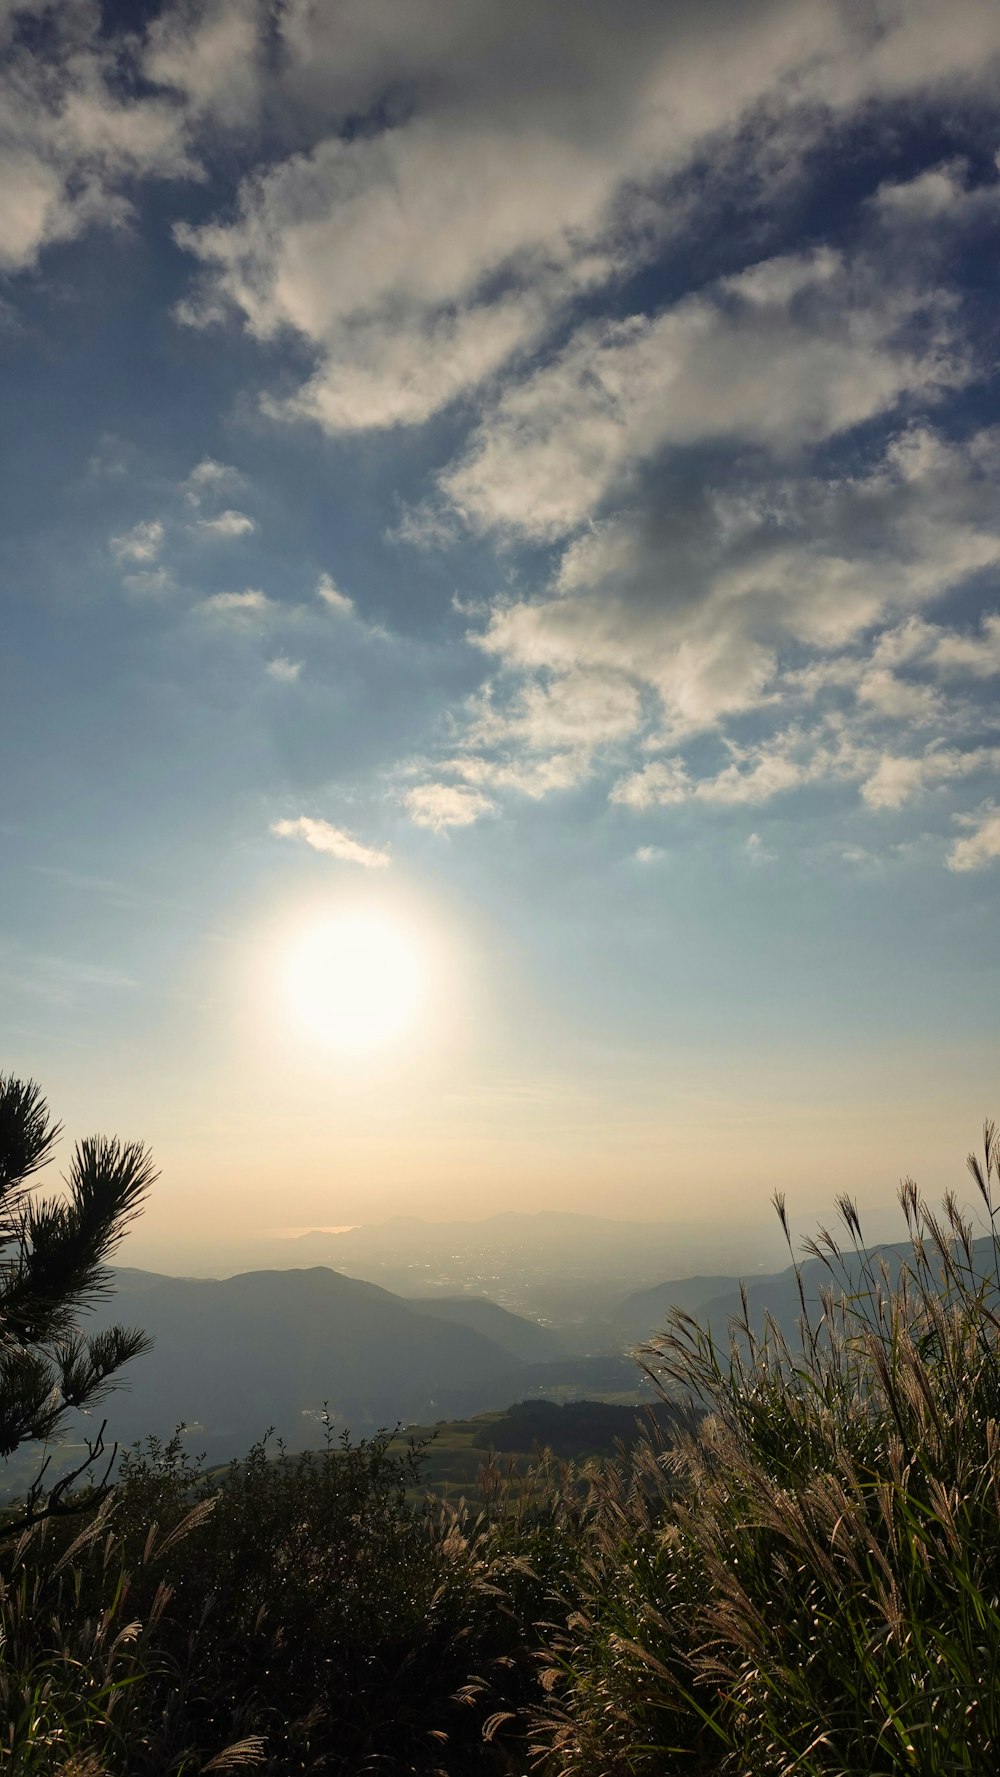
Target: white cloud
545,737
784,598
952,652
139,545
759,773
527,776
75,134
403,375
211,477
928,197
658,785
323,837
746,362
250,603
440,806
578,710
514,130
898,698
982,846
210,52
648,854
718,616
897,780
718,577
940,197
527,156
331,596
284,670
824,754
756,773
228,524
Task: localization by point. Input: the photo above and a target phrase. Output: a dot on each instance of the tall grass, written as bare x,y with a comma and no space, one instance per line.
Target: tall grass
77,1664
810,1583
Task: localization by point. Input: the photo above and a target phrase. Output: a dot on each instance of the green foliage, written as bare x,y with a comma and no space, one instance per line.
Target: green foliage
298,1606
53,1263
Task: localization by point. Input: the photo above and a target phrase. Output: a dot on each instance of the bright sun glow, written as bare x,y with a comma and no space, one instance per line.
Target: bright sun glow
356,982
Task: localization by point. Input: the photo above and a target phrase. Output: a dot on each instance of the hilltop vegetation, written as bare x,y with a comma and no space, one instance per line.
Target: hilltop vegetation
457,1458
798,1574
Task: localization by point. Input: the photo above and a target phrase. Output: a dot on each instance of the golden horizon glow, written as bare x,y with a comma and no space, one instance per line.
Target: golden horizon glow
355,982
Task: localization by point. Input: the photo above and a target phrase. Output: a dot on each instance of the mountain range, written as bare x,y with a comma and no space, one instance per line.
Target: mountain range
236,1356
553,1265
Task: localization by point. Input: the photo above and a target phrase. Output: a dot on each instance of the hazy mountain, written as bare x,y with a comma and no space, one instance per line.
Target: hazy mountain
552,1265
716,1301
523,1339
236,1356
644,1311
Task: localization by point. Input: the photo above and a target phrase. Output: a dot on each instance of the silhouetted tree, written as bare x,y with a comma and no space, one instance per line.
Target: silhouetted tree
53,1263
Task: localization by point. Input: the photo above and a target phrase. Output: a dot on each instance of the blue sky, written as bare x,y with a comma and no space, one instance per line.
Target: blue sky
531,469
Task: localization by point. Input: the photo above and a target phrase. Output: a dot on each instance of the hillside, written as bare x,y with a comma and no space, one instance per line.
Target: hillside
455,1453
520,1337
236,1356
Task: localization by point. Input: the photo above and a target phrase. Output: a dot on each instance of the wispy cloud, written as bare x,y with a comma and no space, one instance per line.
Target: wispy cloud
982,846
334,841
422,261
149,582
757,851
748,360
440,806
227,524
140,545
658,785
331,596
249,603
284,670
897,780
210,477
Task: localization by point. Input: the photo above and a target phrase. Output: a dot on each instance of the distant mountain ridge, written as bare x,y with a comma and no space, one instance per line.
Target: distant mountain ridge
235,1356
717,1301
555,1265
238,1355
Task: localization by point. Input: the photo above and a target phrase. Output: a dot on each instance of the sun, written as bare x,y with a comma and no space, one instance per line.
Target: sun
356,982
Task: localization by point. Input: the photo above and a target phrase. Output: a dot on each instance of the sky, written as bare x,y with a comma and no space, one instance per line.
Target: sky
517,478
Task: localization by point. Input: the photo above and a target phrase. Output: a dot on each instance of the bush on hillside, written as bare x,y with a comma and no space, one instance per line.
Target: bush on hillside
297,1606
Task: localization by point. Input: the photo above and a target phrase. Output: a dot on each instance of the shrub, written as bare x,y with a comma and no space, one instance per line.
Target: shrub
299,1600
